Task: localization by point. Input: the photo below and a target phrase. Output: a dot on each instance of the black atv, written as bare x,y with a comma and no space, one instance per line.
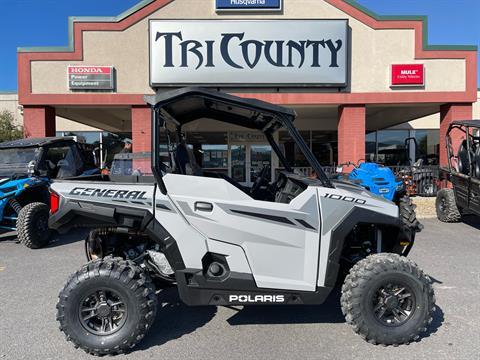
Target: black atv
463,172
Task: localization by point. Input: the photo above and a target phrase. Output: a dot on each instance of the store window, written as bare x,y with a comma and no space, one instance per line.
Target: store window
371,146
210,150
291,151
113,144
391,147
428,146
325,147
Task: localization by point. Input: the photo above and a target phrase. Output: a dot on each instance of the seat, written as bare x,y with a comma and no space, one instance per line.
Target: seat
185,161
477,163
464,163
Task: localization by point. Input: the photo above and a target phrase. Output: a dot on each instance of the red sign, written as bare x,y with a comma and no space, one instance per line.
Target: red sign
404,74
82,77
90,70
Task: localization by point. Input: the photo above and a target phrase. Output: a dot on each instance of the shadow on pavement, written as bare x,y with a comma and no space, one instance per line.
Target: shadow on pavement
175,319
328,312
473,221
438,318
6,235
68,238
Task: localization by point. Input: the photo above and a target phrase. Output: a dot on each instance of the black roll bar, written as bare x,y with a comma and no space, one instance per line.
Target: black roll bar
312,160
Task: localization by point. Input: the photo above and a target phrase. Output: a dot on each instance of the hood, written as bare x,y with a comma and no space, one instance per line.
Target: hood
357,189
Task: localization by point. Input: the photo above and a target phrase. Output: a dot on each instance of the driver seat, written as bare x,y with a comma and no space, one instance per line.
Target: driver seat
185,161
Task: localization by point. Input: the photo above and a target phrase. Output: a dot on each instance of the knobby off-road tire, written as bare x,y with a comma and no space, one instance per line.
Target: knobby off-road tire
119,293
409,217
369,290
446,206
32,225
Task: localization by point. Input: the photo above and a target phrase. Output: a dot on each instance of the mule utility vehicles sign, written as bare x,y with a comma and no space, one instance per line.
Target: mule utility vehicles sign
282,242
248,52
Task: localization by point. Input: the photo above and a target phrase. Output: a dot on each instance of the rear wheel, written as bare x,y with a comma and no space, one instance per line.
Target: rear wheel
32,225
388,299
107,307
409,217
446,206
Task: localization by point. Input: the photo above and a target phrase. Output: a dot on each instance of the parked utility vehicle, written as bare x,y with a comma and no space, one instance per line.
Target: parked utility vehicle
463,172
286,242
26,168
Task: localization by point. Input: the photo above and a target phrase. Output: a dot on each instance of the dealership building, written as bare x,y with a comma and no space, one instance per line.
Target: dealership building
360,83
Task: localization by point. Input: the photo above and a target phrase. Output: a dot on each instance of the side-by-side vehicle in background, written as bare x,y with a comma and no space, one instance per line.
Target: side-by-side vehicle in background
288,242
463,172
27,167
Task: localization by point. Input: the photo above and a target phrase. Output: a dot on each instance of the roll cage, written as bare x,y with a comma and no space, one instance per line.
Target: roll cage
465,127
179,107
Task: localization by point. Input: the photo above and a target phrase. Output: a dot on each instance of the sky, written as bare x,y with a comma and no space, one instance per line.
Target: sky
44,23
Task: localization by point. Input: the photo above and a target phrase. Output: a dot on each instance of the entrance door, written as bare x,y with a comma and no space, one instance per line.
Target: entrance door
247,160
238,163
260,156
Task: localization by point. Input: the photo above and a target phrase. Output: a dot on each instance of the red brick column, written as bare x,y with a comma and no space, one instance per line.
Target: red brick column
142,136
351,133
38,121
449,113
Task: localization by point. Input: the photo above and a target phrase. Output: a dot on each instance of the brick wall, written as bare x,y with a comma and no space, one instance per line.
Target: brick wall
351,133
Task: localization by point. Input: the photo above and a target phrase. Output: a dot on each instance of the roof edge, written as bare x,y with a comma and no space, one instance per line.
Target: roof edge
423,18
74,19
144,3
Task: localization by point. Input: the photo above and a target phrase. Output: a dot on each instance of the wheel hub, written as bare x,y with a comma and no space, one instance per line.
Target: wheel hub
103,312
393,304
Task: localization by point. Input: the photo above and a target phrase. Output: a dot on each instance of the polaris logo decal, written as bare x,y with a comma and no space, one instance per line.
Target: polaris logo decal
251,299
109,193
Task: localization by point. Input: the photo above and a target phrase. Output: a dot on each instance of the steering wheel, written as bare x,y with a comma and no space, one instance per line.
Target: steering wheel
261,180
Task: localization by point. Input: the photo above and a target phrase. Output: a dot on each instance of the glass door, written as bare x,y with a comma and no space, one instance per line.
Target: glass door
238,163
260,156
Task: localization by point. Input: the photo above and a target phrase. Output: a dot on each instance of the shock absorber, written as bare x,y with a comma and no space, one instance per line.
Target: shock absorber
15,205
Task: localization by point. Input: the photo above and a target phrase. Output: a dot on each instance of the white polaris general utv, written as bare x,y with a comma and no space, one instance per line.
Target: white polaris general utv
288,242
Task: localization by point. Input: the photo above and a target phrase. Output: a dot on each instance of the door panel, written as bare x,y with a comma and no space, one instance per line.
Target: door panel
461,185
475,196
281,241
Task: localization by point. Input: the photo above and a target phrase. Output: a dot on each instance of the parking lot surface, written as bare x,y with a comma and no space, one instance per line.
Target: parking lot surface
450,253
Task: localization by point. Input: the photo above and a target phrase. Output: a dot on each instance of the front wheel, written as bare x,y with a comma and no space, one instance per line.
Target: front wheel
388,299
32,225
107,307
446,206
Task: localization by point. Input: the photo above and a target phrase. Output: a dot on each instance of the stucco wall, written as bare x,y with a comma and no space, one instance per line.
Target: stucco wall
9,102
372,51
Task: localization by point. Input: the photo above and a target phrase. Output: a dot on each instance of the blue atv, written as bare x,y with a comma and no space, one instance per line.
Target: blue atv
27,167
381,181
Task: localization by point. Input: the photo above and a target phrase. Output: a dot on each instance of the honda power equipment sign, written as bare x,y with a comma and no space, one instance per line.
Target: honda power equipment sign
90,78
248,52
408,75
235,5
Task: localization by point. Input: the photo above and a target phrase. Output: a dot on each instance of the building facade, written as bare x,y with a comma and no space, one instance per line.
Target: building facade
349,73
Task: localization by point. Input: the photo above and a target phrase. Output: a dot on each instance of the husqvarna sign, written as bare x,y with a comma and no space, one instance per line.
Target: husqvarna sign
248,52
235,5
